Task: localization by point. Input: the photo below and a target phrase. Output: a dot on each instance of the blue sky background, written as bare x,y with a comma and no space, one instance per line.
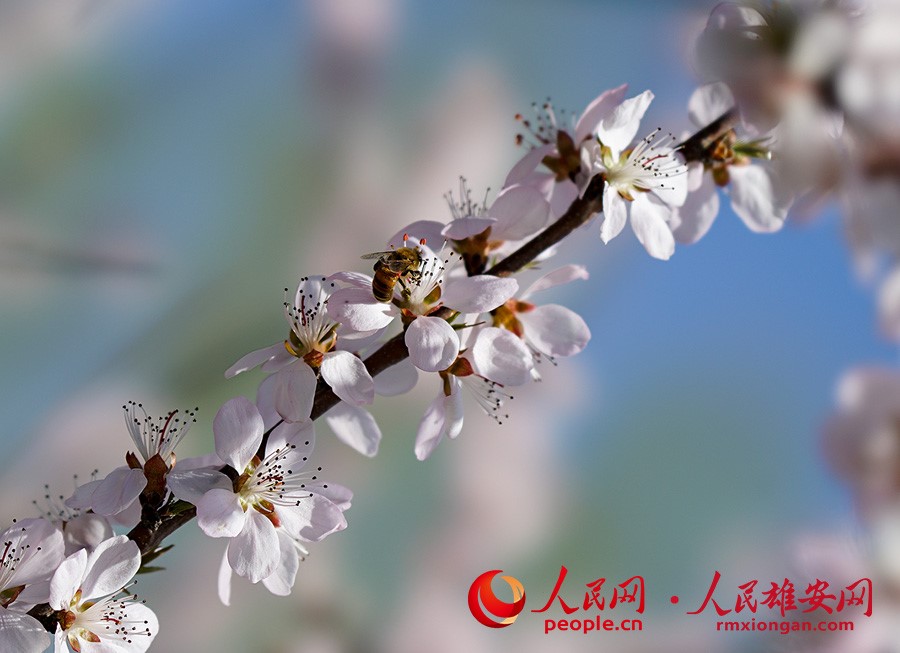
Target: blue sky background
191,132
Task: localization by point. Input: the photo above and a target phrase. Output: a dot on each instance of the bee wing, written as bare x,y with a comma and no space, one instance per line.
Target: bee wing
376,255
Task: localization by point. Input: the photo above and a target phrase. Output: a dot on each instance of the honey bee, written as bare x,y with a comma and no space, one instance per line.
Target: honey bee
391,266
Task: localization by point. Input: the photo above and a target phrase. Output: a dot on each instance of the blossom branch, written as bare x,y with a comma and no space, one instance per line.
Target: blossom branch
158,523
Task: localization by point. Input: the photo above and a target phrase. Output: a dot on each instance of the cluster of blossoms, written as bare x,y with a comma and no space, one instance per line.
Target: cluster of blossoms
446,301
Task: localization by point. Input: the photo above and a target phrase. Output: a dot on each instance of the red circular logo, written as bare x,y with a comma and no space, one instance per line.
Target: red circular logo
481,594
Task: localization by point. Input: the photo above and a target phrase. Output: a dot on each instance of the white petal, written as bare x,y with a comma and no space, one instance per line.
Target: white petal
562,195
301,434
254,553
219,513
21,633
431,428
619,128
648,220
520,211
430,230
524,168
265,402
478,294
313,518
39,550
443,418
86,531
355,427
348,377
502,357
453,413
339,495
709,102
118,490
555,330
352,279
83,496
190,485
433,344
693,219
135,613
278,361
614,215
281,581
463,228
254,359
889,305
358,309
223,581
758,198
600,108
397,379
67,579
110,567
295,391
238,429
557,277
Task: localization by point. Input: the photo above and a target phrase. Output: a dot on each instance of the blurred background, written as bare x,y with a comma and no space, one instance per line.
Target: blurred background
167,168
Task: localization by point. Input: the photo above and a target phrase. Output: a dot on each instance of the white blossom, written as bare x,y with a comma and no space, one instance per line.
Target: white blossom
269,495
98,613
30,551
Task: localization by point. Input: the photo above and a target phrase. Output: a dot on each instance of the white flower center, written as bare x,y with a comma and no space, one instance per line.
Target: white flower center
273,483
310,324
646,168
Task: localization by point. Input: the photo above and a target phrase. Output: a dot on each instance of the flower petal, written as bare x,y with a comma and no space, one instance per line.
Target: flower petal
614,216
358,309
254,553
523,169
619,128
433,344
219,513
38,547
694,218
313,518
709,102
599,108
191,484
557,277
21,633
254,359
397,379
118,490
355,427
478,294
463,228
67,579
223,580
430,230
555,330
295,390
648,220
86,531
520,211
434,426
758,197
238,429
110,567
281,581
348,377
502,357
